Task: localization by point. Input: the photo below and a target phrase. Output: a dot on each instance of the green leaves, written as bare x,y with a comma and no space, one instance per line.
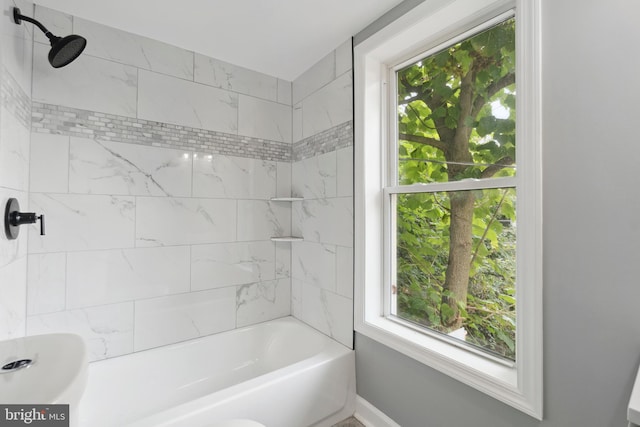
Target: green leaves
432,98
486,126
459,104
450,122
447,313
440,112
422,258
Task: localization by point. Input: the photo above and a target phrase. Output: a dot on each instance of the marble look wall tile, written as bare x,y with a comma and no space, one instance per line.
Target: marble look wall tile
344,58
283,259
225,264
345,172
171,221
170,100
214,72
296,124
88,83
131,49
106,277
80,222
101,167
264,119
49,164
328,107
16,44
320,74
259,302
23,5
57,22
344,270
233,177
261,220
315,177
13,299
107,330
12,250
314,264
330,313
296,298
46,283
15,75
284,92
175,318
14,153
325,220
283,184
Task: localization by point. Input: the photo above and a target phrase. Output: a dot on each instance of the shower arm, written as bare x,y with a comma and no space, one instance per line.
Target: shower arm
64,50
18,18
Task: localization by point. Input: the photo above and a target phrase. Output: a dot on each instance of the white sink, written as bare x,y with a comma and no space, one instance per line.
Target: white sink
56,374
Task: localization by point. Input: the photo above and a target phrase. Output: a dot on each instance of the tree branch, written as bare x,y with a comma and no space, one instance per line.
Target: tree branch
420,94
492,89
486,229
424,140
496,167
416,97
419,117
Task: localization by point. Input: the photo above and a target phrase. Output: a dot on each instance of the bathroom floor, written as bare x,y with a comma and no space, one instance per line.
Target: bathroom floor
349,422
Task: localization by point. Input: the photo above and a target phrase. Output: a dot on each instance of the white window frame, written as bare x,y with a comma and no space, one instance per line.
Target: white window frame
425,27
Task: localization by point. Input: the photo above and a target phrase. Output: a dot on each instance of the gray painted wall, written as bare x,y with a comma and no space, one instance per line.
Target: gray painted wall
591,234
393,14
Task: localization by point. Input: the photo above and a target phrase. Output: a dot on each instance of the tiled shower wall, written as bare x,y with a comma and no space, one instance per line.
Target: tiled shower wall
15,112
322,173
154,167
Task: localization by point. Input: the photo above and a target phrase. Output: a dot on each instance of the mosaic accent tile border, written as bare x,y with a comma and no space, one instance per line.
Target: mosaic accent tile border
14,99
61,120
340,136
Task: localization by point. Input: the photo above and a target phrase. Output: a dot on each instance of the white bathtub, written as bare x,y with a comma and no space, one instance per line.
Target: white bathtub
281,373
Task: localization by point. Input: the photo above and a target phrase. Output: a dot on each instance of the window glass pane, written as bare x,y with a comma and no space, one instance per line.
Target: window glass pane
456,111
455,265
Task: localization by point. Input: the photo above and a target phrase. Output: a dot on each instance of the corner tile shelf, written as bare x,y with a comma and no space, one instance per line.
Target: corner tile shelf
286,238
286,199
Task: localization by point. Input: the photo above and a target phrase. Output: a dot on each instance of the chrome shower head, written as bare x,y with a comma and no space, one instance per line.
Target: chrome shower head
63,49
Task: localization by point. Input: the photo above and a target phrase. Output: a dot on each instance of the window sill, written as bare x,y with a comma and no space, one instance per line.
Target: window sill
434,351
497,378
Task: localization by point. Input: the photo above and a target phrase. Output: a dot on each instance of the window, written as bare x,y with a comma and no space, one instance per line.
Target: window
453,252
448,206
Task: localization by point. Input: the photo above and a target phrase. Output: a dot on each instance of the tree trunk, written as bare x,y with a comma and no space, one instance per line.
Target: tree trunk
459,264
456,282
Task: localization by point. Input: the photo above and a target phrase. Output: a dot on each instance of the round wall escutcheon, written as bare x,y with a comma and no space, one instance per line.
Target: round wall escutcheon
10,230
